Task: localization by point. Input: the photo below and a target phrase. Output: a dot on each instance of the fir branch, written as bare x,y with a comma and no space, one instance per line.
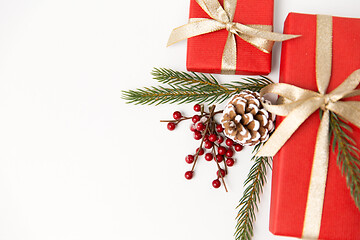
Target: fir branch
182,87
179,95
171,77
251,196
347,155
250,83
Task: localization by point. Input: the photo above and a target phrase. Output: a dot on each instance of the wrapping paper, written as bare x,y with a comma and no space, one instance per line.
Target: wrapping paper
293,163
204,53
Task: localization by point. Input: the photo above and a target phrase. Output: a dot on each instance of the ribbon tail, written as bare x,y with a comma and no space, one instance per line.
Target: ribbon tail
260,37
194,28
268,35
228,64
260,43
288,126
347,88
316,194
350,111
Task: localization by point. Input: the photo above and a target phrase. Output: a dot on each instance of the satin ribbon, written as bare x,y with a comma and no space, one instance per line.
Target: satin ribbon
299,104
259,36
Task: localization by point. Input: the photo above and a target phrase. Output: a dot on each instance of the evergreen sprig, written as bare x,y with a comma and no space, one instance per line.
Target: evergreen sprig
248,204
182,87
347,155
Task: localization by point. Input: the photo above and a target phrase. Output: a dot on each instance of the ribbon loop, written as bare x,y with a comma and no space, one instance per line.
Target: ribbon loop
214,10
288,91
195,27
347,110
347,87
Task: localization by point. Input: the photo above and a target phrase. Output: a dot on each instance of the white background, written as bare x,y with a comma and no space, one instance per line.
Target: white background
76,162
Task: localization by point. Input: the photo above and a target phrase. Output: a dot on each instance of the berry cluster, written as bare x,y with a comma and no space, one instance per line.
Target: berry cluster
214,145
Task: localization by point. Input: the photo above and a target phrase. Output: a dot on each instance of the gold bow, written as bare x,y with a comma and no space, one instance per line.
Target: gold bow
259,36
300,104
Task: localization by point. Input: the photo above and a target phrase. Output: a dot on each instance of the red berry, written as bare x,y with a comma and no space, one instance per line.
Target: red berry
229,142
197,135
222,150
200,126
238,147
220,139
208,157
208,144
192,128
201,152
222,171
189,159
171,126
219,128
230,162
216,183
197,108
177,115
212,137
206,137
219,158
189,175
195,118
229,152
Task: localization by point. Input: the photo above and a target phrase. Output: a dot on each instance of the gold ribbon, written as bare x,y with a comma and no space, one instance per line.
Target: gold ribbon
299,104
259,36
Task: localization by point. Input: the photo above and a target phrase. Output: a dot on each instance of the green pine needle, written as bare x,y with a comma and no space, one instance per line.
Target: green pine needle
251,196
347,156
182,87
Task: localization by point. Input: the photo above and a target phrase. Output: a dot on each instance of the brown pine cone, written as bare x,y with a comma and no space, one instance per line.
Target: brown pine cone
245,120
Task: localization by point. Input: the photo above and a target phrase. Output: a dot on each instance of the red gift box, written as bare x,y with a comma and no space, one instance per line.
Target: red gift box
204,52
293,163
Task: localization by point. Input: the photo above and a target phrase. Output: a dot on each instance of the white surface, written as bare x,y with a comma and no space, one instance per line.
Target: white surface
76,162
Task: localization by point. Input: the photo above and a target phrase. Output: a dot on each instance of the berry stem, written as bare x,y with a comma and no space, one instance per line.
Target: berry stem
176,121
222,178
226,169
186,118
197,155
212,108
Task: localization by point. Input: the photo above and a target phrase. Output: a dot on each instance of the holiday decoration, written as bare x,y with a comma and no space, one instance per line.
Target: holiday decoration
232,38
245,120
209,131
182,87
316,192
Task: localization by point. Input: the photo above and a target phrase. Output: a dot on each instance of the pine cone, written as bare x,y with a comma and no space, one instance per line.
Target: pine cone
245,120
